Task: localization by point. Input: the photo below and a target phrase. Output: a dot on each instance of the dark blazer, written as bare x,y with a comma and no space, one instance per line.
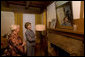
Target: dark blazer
30,36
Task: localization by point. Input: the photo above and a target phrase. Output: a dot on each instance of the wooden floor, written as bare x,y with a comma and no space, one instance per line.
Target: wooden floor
39,51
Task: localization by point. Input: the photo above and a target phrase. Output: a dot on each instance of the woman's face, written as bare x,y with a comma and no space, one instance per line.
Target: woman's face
14,32
18,29
66,19
29,26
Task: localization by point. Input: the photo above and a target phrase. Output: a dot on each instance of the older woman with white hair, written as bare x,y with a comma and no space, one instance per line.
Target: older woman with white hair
16,45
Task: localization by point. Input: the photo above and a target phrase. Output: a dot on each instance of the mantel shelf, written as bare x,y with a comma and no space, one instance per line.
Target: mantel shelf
68,31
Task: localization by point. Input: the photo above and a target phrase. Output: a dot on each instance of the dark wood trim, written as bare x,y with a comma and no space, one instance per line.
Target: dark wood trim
68,34
12,2
50,3
46,21
7,4
68,31
31,11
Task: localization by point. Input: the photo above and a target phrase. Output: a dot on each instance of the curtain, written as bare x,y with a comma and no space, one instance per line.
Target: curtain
19,21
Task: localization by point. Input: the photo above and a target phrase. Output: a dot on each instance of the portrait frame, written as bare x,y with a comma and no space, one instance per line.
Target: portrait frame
53,23
64,10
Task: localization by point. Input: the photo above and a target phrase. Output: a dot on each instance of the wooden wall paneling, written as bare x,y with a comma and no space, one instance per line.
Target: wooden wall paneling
80,24
82,10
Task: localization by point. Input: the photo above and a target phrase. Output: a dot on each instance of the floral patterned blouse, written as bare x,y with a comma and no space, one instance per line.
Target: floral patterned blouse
15,45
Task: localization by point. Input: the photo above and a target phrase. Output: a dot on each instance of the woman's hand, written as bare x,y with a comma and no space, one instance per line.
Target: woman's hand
24,43
30,39
10,46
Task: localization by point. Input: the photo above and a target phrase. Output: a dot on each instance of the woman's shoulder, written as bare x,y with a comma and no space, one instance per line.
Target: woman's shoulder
26,31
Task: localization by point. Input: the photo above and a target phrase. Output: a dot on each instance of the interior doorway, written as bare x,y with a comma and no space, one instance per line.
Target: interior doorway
28,18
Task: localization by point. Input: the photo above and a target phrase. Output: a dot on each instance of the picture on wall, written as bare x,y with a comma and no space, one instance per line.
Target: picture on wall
53,23
64,14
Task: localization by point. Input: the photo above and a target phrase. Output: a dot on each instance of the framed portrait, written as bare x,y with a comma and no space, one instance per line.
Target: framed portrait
64,14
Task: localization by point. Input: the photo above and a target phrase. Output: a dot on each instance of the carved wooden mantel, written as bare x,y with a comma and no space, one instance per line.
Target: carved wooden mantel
70,33
72,42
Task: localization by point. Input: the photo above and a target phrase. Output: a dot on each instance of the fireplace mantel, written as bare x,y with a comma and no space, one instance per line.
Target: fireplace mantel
69,42
70,33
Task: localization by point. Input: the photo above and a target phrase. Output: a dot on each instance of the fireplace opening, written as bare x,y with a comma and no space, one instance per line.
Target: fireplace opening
59,51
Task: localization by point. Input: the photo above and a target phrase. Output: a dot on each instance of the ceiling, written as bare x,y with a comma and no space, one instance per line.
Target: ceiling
30,6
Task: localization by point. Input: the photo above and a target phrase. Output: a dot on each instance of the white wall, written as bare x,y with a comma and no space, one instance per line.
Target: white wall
28,18
51,12
76,9
7,19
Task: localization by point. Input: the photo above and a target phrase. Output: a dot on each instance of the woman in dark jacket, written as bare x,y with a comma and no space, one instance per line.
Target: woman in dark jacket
30,36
